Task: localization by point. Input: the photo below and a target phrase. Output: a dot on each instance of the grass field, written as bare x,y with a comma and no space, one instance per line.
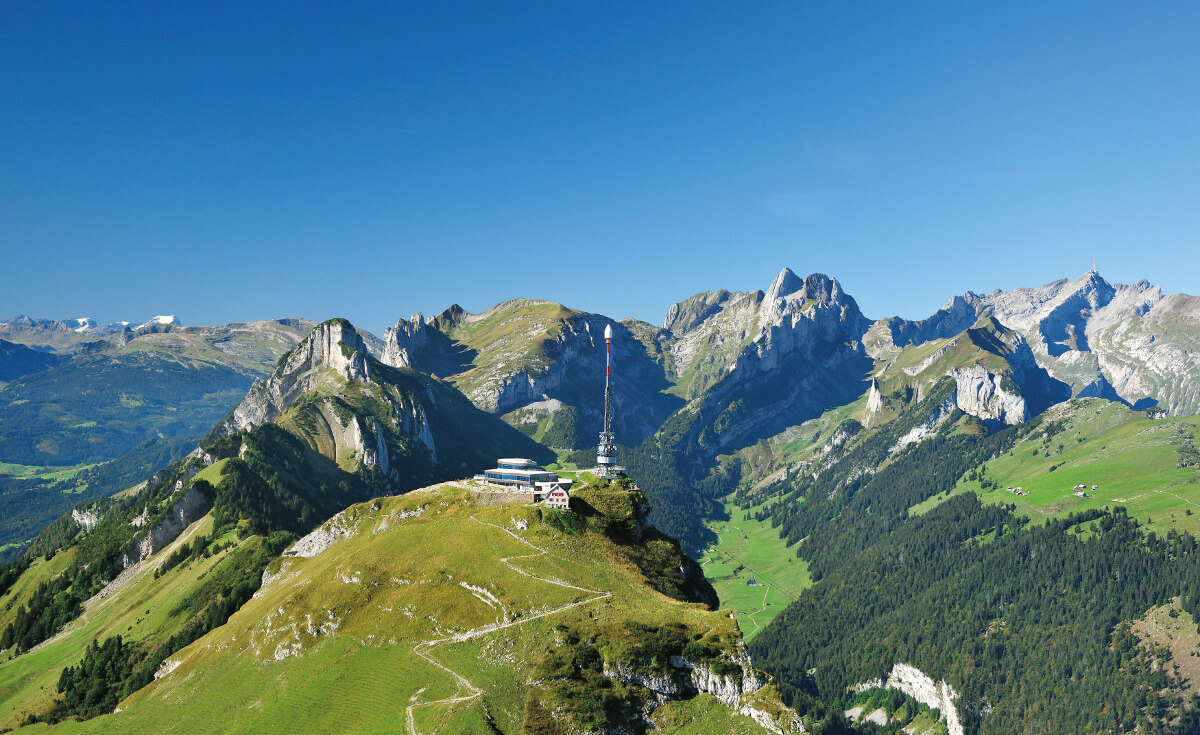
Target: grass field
138,611
39,571
1132,459
328,645
34,472
747,550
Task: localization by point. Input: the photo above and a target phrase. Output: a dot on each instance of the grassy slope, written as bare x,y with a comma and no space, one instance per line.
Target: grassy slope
27,472
41,570
506,338
390,585
1132,458
899,390
746,549
139,611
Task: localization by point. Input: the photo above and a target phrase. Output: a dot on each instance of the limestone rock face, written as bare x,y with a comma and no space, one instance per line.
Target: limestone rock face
924,430
916,684
86,519
685,315
528,359
983,395
333,349
685,679
1129,342
756,363
874,399
322,538
403,342
188,509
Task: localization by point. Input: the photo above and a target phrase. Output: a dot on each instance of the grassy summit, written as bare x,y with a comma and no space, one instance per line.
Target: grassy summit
442,611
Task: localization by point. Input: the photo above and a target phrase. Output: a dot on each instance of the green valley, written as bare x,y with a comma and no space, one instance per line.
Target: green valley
754,572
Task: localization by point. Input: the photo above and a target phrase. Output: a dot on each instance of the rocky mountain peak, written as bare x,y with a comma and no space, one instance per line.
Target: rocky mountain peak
791,296
687,314
332,354
786,283
402,342
451,316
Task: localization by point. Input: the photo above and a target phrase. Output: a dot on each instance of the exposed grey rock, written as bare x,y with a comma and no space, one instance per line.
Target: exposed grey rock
922,431
1090,335
874,399
202,456
188,509
332,346
984,395
322,538
684,679
938,695
86,518
551,359
684,316
800,343
403,342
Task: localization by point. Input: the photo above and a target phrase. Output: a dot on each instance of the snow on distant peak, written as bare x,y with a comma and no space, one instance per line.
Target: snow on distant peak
161,319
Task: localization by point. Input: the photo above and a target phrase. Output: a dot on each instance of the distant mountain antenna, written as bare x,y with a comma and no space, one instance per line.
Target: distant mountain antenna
606,452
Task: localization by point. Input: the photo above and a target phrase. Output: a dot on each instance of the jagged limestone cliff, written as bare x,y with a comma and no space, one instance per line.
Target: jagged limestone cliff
541,366
396,427
1130,342
751,364
331,354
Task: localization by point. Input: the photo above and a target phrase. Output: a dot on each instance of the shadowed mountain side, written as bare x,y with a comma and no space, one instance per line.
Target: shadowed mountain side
541,366
1130,342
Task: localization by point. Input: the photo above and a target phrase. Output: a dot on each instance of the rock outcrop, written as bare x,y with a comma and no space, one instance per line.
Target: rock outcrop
930,425
404,343
992,398
529,360
938,695
755,363
86,518
188,509
684,679
1090,335
333,347
322,538
874,400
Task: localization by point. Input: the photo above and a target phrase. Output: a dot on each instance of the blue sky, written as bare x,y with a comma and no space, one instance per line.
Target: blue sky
241,161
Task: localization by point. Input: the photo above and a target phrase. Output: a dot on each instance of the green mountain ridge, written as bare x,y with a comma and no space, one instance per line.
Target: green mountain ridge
118,407
216,519
972,497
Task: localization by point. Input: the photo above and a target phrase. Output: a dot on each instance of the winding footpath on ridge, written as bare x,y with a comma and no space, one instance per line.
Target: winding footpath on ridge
422,647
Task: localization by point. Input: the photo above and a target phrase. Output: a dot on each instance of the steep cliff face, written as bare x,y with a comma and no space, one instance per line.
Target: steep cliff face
937,695
333,353
874,399
763,361
395,427
733,685
189,508
404,343
528,360
959,313
1127,342
990,397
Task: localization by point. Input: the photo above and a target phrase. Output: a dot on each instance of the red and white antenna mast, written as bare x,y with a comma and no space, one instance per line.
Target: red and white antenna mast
606,452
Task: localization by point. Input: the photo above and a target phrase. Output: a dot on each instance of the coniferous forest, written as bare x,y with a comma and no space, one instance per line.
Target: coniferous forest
1029,622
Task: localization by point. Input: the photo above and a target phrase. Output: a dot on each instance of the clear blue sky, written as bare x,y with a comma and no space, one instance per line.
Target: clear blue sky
240,161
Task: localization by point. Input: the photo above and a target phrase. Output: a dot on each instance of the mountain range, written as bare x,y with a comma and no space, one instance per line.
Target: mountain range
785,439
